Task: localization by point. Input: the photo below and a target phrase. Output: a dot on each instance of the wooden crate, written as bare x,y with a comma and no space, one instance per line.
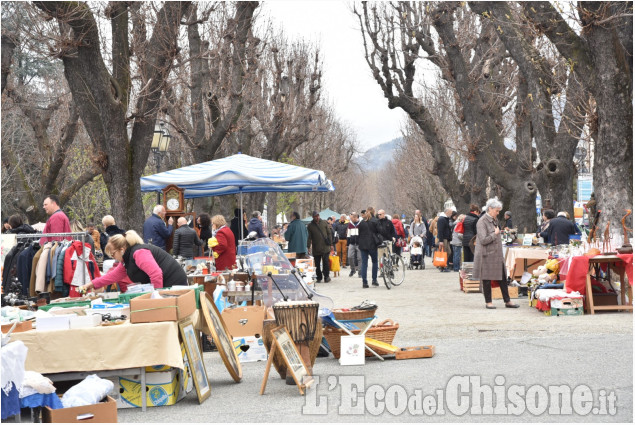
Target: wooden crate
497,294
424,351
471,286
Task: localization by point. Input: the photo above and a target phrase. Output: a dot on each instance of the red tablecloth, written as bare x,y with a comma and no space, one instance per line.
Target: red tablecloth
576,275
579,267
628,262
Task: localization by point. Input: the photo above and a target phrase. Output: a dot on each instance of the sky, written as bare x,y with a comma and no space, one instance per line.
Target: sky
346,80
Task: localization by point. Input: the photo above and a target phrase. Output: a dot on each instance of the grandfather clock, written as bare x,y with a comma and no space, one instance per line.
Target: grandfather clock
174,204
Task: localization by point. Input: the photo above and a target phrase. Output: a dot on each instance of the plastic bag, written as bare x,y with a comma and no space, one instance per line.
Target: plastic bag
91,390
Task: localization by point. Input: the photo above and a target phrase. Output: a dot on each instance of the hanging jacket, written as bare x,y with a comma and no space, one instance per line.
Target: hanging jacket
36,259
25,264
78,254
40,272
59,277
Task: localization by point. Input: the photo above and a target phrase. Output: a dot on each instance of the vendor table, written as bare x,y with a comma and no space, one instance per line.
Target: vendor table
617,265
532,258
103,350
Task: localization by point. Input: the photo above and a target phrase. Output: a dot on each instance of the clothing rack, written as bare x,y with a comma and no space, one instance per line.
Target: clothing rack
73,235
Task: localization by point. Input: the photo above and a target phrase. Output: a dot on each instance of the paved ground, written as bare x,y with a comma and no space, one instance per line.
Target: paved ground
506,352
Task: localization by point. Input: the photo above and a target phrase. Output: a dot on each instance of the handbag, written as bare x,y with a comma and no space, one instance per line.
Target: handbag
440,257
400,242
377,239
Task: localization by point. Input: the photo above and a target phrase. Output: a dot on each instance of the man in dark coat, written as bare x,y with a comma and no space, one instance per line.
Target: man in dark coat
235,226
319,244
155,231
185,240
297,236
255,224
559,230
444,233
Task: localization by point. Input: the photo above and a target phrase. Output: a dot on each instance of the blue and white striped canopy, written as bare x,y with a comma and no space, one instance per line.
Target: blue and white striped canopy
239,174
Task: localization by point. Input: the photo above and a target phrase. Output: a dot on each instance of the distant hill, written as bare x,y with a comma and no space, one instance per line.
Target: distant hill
377,157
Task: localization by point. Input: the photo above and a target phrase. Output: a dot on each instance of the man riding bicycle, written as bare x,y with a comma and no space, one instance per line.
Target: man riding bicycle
387,231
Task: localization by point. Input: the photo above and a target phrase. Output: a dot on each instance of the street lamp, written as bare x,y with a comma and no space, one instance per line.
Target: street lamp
160,144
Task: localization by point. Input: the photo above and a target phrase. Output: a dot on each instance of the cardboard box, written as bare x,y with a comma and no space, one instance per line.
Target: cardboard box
571,311
567,303
169,309
85,321
161,379
20,327
104,412
255,349
54,323
244,321
162,389
498,295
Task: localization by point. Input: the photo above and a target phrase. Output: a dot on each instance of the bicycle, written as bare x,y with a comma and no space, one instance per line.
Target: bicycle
392,266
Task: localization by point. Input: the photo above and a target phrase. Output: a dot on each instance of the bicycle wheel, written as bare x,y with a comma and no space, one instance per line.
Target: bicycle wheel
386,268
398,270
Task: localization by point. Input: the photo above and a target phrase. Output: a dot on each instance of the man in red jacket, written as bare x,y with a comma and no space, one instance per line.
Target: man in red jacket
57,221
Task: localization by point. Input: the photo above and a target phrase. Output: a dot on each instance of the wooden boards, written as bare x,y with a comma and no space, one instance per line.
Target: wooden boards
423,351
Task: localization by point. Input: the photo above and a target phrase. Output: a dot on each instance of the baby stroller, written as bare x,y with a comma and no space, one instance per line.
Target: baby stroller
416,254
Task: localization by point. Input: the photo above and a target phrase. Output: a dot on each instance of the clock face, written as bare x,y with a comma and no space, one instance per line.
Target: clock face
173,204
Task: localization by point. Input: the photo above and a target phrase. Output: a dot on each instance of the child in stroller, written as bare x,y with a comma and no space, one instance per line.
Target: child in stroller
416,254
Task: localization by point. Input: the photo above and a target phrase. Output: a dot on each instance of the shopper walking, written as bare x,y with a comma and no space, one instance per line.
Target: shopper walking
368,237
488,260
297,236
352,243
319,244
341,228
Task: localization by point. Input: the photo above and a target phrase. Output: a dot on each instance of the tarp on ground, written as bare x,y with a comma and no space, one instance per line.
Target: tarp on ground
239,173
324,214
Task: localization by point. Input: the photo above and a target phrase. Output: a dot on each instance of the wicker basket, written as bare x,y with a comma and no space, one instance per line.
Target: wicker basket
384,331
353,314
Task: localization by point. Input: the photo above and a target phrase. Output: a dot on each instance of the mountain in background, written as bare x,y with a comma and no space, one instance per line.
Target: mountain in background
377,157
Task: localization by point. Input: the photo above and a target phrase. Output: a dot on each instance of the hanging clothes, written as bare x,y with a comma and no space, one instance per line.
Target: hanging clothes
36,259
25,265
40,272
80,266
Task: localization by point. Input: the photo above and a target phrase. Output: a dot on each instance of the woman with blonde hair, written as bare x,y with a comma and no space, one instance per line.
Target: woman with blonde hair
138,263
222,244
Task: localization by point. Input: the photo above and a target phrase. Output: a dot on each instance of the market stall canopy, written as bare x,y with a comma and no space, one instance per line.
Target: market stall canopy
239,174
324,214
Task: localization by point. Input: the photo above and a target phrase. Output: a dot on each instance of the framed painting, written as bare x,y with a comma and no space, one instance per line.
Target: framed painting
222,338
284,346
195,358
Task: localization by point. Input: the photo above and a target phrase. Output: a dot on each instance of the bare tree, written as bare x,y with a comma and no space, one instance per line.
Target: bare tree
601,56
556,136
104,97
396,35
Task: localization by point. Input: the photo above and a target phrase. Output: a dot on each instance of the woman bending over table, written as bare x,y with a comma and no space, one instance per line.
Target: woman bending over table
138,263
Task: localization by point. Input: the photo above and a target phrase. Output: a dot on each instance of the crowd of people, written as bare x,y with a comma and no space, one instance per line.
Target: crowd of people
354,238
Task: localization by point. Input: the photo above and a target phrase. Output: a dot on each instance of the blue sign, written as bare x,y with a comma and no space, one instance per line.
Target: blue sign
585,188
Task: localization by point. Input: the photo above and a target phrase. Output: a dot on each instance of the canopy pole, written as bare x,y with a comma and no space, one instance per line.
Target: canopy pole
241,220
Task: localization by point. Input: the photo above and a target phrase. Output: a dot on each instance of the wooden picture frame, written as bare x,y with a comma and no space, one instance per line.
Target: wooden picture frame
195,358
221,336
283,345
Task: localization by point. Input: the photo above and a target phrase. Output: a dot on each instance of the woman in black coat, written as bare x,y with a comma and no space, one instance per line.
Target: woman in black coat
469,231
204,222
368,228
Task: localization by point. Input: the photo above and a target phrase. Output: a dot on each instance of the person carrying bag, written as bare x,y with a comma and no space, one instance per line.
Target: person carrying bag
440,257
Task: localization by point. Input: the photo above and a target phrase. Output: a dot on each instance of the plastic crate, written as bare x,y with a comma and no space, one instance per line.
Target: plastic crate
64,305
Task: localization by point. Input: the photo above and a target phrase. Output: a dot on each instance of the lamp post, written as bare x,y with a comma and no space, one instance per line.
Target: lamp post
159,147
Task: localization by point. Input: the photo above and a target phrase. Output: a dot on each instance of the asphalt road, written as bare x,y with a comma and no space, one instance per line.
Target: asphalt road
534,368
